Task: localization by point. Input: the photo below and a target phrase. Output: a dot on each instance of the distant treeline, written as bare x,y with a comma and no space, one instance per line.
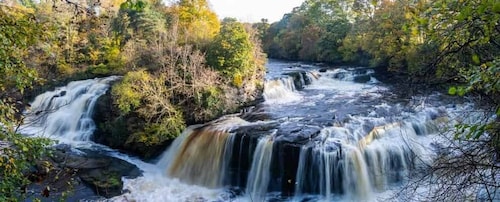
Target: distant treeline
439,40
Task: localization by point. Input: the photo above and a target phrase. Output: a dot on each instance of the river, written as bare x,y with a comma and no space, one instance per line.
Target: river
320,135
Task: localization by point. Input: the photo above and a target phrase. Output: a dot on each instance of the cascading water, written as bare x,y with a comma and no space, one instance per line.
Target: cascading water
200,155
356,168
334,135
258,179
65,114
280,90
337,138
190,163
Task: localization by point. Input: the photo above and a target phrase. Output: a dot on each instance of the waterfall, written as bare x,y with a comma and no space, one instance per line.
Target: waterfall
201,154
371,145
352,74
357,167
280,90
258,179
65,114
356,180
190,162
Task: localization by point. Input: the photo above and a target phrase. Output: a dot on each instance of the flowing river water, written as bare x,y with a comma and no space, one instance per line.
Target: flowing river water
320,135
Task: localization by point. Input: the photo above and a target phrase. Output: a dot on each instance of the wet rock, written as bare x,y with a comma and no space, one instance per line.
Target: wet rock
368,126
105,182
102,173
284,168
52,182
323,70
361,71
76,175
63,148
300,79
319,64
307,80
245,142
116,130
295,133
362,78
79,162
340,75
252,117
256,130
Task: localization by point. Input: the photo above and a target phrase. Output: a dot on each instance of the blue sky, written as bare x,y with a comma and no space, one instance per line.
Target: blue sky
254,10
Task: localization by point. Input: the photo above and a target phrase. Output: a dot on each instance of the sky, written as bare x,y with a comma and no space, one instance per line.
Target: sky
254,10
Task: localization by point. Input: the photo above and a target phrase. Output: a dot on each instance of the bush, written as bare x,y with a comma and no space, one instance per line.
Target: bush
17,155
127,93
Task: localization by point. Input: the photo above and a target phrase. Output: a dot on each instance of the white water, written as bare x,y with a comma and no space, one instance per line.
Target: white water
363,168
258,179
280,91
160,184
65,114
345,86
369,163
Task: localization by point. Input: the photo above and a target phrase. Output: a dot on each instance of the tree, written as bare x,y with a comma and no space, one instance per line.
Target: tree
465,32
197,22
18,31
262,28
231,51
311,32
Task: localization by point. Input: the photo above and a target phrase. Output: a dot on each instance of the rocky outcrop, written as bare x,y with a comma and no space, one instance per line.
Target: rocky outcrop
127,132
115,130
288,141
300,79
79,175
362,78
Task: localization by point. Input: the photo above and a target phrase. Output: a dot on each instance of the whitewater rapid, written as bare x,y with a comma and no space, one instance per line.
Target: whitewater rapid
381,144
336,134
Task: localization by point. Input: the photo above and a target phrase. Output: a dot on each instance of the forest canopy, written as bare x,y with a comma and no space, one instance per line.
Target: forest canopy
427,40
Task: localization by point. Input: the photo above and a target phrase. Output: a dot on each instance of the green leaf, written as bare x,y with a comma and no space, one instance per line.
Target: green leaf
478,132
475,59
452,91
461,91
496,7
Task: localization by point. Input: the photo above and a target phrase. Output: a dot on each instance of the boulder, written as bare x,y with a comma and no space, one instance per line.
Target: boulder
297,133
340,75
79,175
362,78
300,79
115,130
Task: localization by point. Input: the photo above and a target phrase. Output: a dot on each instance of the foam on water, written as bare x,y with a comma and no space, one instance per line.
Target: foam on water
363,157
280,91
65,114
154,186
